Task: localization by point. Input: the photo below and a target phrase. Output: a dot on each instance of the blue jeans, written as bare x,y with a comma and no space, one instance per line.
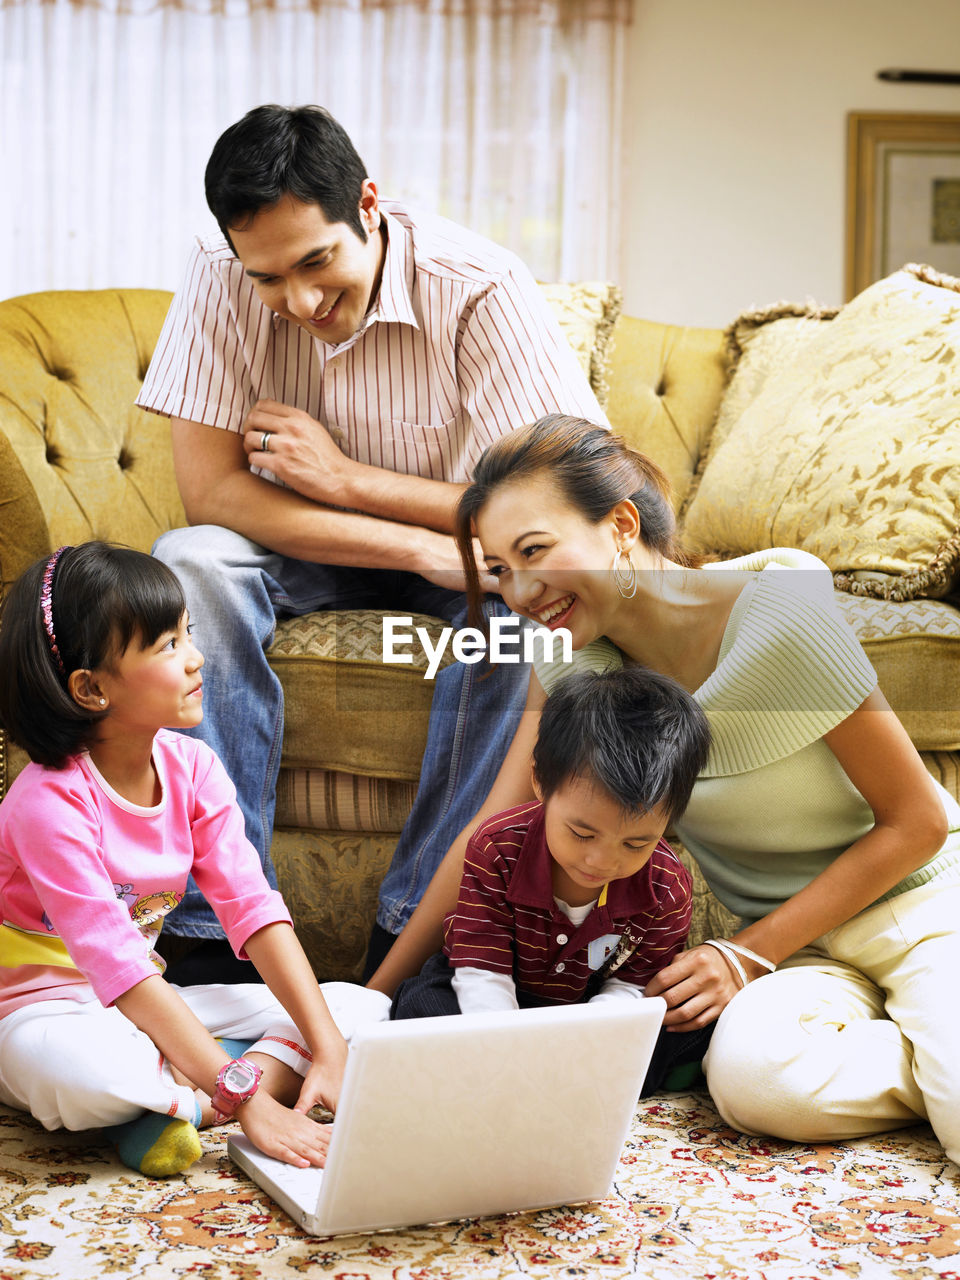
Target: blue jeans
473,717
236,591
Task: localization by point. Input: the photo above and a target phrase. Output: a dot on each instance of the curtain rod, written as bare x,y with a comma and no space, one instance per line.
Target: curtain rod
904,75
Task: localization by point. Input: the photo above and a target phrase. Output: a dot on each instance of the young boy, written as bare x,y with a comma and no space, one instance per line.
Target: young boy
577,896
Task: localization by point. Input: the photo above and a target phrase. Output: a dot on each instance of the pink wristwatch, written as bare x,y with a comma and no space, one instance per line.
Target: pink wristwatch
237,1082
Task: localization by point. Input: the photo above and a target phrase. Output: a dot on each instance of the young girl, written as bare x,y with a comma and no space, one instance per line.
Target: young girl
814,821
97,838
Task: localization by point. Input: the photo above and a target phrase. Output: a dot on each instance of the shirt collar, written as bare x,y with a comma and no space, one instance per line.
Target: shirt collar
394,302
532,886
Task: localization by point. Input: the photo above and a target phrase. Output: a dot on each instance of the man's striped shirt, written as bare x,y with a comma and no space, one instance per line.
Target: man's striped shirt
458,348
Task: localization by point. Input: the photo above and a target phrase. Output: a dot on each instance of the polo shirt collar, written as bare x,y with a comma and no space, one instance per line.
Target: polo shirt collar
531,884
395,299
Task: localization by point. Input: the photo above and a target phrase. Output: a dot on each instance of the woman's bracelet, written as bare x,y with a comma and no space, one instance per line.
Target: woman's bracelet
762,961
730,957
729,951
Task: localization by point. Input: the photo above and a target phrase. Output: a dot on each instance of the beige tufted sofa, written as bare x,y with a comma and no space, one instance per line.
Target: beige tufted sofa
78,460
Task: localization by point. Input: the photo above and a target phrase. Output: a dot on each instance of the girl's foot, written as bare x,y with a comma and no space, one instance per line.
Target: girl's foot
156,1145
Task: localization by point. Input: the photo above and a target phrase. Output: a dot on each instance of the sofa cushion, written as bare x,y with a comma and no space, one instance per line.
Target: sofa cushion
914,646
851,450
321,800
758,344
78,460
666,383
345,709
586,313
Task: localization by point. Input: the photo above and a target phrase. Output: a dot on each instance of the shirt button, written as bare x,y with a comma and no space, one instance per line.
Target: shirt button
561,938
560,967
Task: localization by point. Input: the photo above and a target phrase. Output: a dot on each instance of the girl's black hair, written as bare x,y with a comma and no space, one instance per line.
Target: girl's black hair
104,597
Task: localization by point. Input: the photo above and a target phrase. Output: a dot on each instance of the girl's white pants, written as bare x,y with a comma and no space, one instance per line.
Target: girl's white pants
77,1065
856,1034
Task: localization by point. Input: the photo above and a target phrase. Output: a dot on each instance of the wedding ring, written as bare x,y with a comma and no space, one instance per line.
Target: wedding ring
265,441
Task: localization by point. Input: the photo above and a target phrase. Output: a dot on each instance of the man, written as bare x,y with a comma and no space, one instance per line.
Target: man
333,366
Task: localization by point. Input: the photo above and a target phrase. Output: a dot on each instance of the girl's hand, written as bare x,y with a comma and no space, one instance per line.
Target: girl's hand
697,986
324,1079
283,1133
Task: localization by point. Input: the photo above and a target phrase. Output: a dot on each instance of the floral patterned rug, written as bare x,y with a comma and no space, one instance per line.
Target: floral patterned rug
692,1199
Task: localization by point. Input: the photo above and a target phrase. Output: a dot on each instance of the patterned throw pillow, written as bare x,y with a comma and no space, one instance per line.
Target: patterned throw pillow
759,343
851,448
586,313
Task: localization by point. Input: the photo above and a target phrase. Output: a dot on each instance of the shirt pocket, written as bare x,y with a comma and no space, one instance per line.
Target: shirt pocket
433,452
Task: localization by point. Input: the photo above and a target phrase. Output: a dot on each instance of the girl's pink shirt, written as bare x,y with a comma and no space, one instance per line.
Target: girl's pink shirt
83,867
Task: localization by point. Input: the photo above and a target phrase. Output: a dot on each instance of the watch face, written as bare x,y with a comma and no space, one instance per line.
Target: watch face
239,1077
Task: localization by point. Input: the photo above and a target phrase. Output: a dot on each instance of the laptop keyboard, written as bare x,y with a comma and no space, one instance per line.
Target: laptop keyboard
302,1185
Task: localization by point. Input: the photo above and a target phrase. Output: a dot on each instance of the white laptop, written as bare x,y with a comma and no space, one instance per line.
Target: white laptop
464,1117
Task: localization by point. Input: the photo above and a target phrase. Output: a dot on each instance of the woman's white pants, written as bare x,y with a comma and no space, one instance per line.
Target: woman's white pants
856,1034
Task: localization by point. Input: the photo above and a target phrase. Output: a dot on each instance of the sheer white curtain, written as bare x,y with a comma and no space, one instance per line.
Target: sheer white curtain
502,114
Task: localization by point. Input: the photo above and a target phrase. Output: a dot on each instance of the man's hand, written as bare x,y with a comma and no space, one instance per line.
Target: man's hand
284,1133
438,560
300,452
697,986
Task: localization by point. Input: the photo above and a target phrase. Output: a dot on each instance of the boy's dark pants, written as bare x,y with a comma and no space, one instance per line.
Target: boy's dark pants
431,995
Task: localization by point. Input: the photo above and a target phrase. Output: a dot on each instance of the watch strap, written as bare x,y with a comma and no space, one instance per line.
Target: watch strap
225,1102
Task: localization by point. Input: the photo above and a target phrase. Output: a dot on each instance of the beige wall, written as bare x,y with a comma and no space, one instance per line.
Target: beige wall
735,141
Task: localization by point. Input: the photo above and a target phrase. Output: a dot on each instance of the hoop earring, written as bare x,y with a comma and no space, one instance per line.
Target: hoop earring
625,578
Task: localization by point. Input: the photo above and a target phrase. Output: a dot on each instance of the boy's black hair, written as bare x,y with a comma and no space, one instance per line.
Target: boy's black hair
277,151
639,735
104,597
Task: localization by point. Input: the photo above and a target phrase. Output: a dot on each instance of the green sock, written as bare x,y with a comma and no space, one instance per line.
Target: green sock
156,1145
682,1077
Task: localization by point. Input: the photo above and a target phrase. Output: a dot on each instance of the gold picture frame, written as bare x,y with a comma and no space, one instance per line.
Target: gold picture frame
903,194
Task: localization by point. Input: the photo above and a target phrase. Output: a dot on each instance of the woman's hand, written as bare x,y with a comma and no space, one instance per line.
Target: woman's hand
284,1133
697,986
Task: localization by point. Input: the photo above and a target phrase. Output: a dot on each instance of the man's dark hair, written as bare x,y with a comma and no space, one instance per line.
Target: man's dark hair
276,151
637,734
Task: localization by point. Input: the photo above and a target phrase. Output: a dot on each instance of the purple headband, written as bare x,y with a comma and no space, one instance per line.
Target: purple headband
46,604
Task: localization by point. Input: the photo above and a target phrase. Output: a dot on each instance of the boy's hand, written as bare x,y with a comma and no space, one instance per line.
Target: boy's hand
697,986
324,1079
283,1133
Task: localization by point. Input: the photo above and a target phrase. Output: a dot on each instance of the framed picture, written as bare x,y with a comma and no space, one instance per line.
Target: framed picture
903,194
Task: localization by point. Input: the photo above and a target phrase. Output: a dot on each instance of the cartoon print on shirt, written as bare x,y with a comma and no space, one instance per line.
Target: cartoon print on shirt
126,893
148,915
600,948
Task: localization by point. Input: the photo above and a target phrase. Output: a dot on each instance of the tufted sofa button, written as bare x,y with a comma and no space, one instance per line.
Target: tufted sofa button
52,455
124,459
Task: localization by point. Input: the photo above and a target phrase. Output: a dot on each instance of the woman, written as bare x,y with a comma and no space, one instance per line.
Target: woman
815,819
